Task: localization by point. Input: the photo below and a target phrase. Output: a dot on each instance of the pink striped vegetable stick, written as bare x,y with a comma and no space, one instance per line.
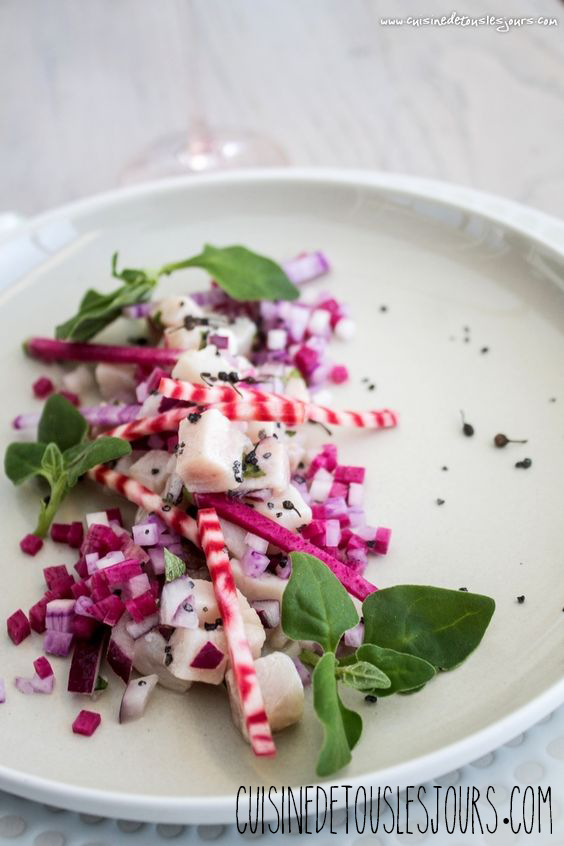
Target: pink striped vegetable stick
252,704
144,498
278,410
177,389
383,419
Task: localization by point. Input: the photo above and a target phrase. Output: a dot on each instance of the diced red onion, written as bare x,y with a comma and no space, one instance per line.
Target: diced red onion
306,267
91,559
219,341
356,494
348,474
120,650
18,626
345,329
146,534
53,574
59,615
136,586
262,495
137,311
321,485
268,611
156,555
86,723
356,517
208,658
24,685
383,537
142,606
354,637
284,570
57,643
137,630
97,518
332,533
42,387
42,667
119,574
84,627
109,610
256,543
31,544
135,698
303,672
254,563
339,374
175,595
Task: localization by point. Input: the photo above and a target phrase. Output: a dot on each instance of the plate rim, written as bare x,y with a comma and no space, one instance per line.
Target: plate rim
535,225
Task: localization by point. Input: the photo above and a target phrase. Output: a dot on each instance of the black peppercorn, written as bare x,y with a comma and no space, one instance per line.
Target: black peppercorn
521,599
467,428
525,464
370,698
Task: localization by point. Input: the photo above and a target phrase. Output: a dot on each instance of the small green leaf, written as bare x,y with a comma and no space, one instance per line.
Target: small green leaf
405,672
175,567
242,274
342,727
82,457
61,423
441,626
315,605
363,675
23,461
52,465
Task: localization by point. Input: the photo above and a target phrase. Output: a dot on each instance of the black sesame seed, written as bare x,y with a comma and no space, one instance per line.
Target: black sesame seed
525,464
270,505
484,350
168,659
468,430
267,455
463,589
141,683
444,468
370,698
521,599
552,399
383,308
194,417
155,471
279,514
440,501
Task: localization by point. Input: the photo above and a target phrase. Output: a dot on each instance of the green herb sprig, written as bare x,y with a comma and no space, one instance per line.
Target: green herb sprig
242,274
60,456
410,633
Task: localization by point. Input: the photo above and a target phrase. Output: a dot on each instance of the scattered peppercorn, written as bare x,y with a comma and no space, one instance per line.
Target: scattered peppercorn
525,464
141,683
155,471
467,428
521,599
501,441
440,501
552,399
370,698
464,590
484,350
194,417
383,308
444,468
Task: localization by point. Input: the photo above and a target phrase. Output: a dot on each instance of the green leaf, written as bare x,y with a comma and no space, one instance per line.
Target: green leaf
441,626
22,461
242,274
342,727
363,675
96,311
50,505
101,684
52,465
405,672
315,605
82,457
175,567
61,423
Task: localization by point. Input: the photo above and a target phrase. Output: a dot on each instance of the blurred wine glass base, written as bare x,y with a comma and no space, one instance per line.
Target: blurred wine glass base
179,154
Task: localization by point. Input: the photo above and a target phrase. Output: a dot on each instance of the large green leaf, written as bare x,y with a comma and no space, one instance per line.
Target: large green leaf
61,423
404,672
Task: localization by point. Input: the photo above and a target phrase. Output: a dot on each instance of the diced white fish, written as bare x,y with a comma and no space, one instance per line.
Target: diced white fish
267,586
192,363
153,469
282,691
244,329
291,518
186,645
116,381
234,538
210,453
272,465
172,310
180,338
150,657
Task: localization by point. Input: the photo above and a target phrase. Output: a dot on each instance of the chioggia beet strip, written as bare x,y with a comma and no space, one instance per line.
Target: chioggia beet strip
144,498
252,704
383,419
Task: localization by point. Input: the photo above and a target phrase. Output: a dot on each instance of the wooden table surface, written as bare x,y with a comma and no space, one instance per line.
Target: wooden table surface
86,86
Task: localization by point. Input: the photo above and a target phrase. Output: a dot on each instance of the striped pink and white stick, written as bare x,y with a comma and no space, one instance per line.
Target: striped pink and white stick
250,695
177,389
286,411
151,502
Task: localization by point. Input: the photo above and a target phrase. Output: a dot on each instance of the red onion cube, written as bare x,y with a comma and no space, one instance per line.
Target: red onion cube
60,532
306,360
339,490
42,387
344,473
110,559
339,374
53,574
57,643
142,606
75,535
156,556
256,543
97,518
146,534
86,723
354,637
83,627
60,613
114,515
332,533
91,559
321,485
356,494
306,266
80,589
31,544
37,614
254,563
208,658
42,667
276,339
382,540
18,626
319,322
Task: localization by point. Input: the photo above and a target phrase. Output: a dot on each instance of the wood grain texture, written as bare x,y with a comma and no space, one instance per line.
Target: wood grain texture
87,85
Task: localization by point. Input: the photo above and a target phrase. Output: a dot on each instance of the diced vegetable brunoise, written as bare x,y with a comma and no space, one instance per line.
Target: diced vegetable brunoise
250,537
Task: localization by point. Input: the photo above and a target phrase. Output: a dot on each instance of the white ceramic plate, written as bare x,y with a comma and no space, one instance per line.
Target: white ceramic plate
438,265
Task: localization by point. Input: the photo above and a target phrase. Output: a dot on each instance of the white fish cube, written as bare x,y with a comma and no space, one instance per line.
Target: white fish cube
192,363
172,310
291,518
153,469
210,452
